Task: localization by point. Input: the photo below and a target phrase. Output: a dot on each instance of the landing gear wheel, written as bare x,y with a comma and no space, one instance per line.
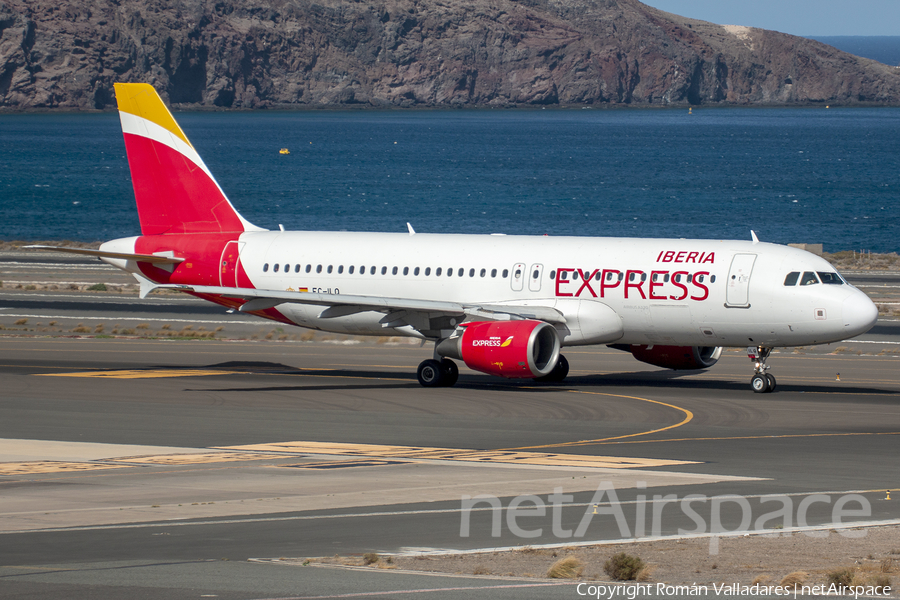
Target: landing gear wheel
759,383
558,373
450,372
771,380
430,373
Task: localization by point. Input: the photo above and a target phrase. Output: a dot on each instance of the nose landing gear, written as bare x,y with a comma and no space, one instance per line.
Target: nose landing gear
762,382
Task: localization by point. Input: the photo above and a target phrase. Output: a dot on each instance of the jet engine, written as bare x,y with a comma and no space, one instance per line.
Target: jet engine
677,357
506,348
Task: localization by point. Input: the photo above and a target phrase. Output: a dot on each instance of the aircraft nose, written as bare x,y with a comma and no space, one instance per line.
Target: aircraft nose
860,314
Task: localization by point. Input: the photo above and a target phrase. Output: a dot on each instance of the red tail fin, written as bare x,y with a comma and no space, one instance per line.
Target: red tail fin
175,192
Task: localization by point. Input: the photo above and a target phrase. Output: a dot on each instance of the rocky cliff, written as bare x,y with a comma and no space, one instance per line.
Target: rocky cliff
257,53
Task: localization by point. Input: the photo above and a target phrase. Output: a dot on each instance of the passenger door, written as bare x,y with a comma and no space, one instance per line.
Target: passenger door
737,292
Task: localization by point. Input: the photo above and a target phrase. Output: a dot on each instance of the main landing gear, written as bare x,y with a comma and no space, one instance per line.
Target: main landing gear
437,373
762,382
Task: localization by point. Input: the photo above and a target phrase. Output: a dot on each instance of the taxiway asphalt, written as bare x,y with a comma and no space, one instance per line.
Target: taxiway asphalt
185,468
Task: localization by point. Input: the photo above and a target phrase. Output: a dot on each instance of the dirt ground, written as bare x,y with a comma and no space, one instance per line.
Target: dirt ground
873,558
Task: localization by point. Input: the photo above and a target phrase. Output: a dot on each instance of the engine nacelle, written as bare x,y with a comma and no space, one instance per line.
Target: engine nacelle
677,357
505,348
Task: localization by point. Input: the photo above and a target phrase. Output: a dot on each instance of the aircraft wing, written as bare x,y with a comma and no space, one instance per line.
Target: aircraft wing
338,305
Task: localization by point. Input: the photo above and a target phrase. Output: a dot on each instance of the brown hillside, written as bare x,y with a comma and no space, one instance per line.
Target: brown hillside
409,53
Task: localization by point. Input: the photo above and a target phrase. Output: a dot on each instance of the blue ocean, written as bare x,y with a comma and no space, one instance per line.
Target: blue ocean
829,175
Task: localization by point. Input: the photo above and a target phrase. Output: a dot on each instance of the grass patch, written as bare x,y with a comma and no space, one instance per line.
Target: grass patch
566,568
797,578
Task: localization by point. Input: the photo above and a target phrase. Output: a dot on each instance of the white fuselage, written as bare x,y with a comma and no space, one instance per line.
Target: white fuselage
641,291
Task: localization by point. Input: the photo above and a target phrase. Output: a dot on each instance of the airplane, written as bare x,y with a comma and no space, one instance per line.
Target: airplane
504,305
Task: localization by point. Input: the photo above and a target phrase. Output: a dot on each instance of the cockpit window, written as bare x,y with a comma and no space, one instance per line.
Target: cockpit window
809,278
832,278
792,278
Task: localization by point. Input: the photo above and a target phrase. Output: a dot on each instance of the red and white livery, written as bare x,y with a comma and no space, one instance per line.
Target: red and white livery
504,305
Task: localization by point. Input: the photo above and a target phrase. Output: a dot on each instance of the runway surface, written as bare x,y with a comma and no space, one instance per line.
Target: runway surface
183,468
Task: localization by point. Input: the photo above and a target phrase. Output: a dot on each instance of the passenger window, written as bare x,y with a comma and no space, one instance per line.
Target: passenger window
505,273
308,268
536,274
494,273
598,275
677,278
574,275
405,270
609,276
621,276
329,269
552,275
450,272
318,268
483,272
394,271
830,278
471,272
689,277
287,268
666,278
276,268
462,271
631,277
809,278
340,269
644,277
792,278
427,271
437,272
350,270
712,278
384,270
372,271
296,268
416,272
266,268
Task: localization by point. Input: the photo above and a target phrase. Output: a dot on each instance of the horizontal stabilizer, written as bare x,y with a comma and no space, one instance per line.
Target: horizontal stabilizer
150,258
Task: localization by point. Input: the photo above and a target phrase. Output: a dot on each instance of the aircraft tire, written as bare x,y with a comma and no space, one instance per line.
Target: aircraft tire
759,383
450,372
430,373
559,372
771,380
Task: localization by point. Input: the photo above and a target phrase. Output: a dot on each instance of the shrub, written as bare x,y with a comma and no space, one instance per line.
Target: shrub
840,577
623,567
370,558
97,287
566,568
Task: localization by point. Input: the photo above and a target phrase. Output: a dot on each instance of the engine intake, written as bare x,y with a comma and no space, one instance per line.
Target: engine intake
505,348
677,357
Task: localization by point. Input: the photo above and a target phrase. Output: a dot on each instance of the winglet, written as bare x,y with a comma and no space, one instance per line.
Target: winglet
147,286
411,230
753,237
